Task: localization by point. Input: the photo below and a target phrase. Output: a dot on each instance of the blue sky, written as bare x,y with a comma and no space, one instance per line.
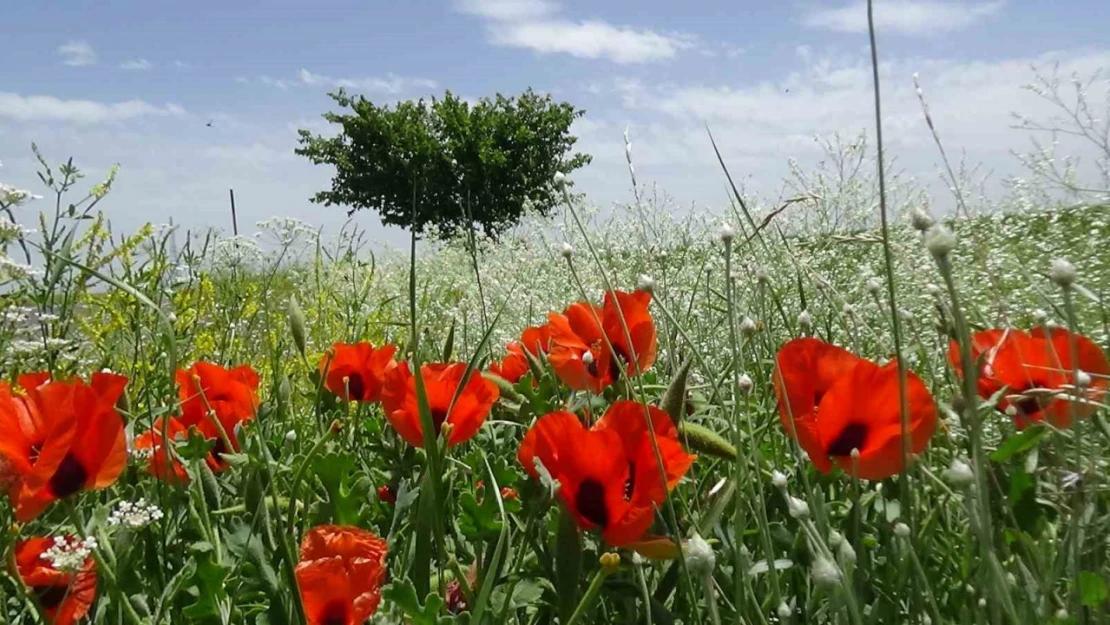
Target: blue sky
136,83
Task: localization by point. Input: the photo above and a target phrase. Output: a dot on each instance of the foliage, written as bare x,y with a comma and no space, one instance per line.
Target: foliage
448,165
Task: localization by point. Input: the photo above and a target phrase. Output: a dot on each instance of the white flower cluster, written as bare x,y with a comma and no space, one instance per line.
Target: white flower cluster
135,514
10,196
68,554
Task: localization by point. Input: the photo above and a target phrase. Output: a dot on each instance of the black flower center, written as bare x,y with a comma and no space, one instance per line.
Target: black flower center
335,613
590,502
438,418
853,436
69,478
356,387
50,597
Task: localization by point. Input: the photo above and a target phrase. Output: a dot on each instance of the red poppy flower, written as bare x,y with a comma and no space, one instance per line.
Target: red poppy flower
441,380
357,370
536,339
160,464
230,394
608,474
513,366
340,574
580,353
60,438
63,596
834,402
1036,369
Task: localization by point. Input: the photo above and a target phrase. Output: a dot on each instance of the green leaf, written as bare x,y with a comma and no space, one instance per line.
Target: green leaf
1019,443
335,472
1092,589
403,596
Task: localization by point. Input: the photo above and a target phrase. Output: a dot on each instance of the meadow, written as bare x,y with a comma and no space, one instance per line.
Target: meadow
636,415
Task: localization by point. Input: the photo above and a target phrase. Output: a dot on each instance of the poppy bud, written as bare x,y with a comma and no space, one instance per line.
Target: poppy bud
873,286
296,323
291,436
172,318
805,321
798,508
778,478
748,327
825,573
921,220
835,538
959,474
560,180
567,250
1082,379
784,611
727,233
846,554
745,383
940,241
901,530
699,556
1063,273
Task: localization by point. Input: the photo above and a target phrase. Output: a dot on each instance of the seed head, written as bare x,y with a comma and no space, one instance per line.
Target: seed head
1082,379
873,286
940,241
609,561
1063,273
291,436
745,383
778,478
645,283
560,180
901,530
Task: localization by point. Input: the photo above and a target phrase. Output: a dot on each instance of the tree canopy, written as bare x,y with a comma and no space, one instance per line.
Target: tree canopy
447,165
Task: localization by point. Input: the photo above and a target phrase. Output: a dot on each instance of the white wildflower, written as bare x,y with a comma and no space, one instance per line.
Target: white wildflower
748,327
567,250
560,180
940,241
135,514
745,383
645,283
68,554
727,233
805,321
873,286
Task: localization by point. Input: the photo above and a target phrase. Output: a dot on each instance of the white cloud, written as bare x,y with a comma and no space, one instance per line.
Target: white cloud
136,64
906,17
181,65
759,127
534,25
77,53
390,84
38,108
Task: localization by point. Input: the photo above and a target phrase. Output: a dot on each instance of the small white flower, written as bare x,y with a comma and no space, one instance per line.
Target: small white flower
291,436
645,283
1040,316
778,478
745,383
560,180
901,530
135,515
982,602
727,233
940,241
959,473
699,556
873,286
68,554
1063,273
567,250
932,289
825,573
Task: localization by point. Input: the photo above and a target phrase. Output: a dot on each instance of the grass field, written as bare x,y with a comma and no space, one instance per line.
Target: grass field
247,489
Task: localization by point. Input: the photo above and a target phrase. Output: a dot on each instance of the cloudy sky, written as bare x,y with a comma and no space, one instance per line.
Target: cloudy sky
138,82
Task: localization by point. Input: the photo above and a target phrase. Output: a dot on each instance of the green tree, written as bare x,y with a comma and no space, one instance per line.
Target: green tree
447,165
